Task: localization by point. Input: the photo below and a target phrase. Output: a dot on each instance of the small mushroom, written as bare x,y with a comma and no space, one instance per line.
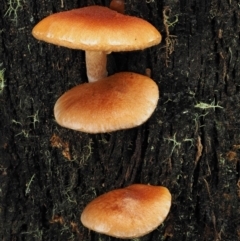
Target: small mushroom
99,31
117,5
129,212
120,101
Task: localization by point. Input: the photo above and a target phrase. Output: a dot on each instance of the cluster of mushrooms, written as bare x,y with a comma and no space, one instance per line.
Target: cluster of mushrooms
120,101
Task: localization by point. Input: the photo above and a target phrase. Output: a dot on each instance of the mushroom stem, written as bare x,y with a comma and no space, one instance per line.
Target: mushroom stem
96,62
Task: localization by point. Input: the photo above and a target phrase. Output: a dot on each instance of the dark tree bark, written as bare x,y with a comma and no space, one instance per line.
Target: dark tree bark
191,144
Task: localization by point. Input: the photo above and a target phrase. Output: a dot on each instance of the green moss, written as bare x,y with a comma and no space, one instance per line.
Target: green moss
13,7
2,80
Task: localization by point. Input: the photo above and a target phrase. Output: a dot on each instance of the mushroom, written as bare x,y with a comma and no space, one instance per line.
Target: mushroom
129,212
117,5
99,31
120,101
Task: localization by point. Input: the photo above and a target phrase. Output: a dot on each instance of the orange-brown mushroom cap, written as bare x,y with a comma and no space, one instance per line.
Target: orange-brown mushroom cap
128,212
121,101
97,28
117,5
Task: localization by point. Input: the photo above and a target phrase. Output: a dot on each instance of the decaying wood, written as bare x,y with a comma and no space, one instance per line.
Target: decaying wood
190,144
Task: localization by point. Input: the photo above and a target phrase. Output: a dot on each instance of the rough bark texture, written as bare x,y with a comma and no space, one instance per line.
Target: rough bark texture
191,144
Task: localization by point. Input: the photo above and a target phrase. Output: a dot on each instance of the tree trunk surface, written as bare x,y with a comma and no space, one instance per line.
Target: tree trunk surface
191,144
